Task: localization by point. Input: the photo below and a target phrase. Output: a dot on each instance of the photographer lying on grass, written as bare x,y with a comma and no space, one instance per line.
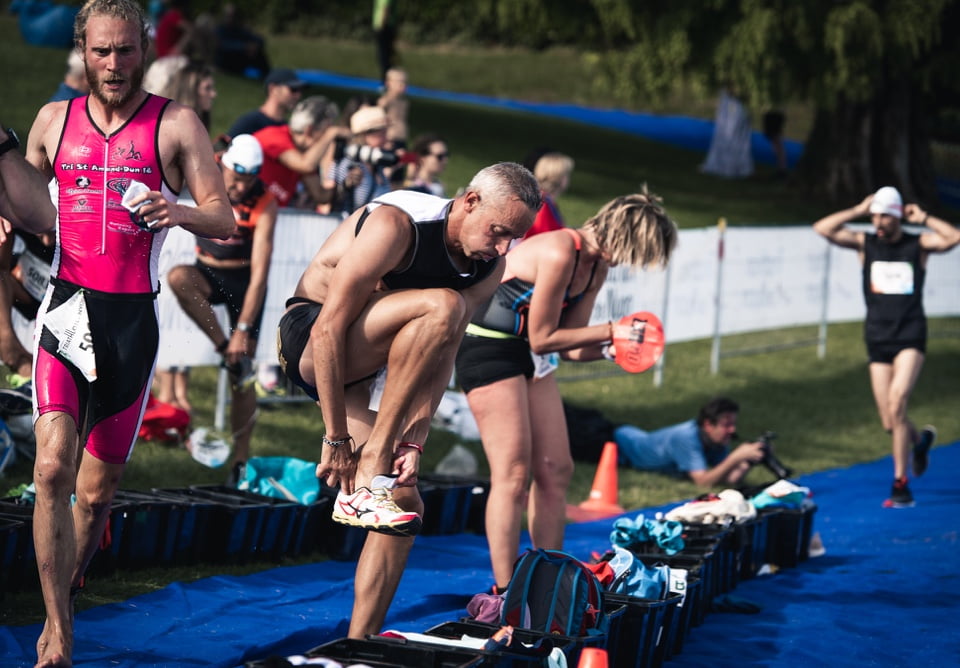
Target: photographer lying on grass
699,448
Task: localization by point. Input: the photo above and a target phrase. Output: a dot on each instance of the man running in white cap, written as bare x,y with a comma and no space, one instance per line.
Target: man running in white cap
895,330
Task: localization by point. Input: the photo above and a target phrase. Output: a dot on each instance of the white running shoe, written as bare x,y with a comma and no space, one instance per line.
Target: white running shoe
374,508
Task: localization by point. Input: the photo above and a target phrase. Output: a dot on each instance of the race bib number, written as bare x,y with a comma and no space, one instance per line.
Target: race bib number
376,389
544,365
35,274
891,278
70,324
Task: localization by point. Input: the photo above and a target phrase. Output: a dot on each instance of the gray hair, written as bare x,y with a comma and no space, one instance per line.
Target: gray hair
505,181
311,112
125,10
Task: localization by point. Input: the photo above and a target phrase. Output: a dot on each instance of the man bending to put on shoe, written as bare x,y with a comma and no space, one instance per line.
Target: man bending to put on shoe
371,333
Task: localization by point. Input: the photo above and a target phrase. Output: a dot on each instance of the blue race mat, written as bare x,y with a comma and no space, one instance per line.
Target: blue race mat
883,594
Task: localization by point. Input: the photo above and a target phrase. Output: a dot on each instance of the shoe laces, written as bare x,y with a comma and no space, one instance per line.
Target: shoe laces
384,497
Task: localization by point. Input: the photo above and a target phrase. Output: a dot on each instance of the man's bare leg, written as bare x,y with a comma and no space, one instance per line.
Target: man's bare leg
906,370
379,570
54,535
193,294
243,408
417,357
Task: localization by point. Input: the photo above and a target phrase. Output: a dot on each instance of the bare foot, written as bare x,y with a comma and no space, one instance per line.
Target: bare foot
53,649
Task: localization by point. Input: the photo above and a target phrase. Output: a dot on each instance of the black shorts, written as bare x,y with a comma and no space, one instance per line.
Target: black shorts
229,287
883,353
293,333
482,360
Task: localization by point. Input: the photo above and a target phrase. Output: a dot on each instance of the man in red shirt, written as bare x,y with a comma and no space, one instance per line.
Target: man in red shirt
292,152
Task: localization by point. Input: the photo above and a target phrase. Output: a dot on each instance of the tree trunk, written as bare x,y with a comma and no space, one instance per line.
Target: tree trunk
856,147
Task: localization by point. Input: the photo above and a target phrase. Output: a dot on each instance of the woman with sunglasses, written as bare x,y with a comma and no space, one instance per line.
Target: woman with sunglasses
432,158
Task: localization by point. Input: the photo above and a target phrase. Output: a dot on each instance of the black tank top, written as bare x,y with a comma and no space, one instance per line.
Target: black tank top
431,266
893,279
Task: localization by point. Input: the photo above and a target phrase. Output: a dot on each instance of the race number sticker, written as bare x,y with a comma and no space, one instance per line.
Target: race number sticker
544,365
35,273
70,323
891,278
376,389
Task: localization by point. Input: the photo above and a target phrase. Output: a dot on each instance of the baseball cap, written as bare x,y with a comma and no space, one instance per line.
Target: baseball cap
366,119
284,76
887,200
244,156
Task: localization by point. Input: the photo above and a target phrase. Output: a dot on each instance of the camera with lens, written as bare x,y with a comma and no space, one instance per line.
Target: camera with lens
371,155
769,459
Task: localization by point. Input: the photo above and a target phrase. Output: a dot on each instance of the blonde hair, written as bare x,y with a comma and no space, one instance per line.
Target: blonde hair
125,10
635,230
551,170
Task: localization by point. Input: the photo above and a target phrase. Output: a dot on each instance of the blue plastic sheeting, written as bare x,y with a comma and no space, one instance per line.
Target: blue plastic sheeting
689,133
45,23
884,594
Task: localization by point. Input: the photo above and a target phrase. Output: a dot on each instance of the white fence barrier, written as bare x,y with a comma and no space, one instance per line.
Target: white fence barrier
772,277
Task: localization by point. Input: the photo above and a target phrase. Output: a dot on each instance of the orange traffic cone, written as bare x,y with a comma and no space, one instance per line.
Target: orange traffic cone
602,501
592,657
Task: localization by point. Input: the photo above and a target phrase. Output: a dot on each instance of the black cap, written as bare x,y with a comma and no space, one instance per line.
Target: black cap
284,76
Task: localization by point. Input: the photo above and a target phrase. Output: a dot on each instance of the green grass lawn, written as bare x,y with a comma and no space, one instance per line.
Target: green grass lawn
822,410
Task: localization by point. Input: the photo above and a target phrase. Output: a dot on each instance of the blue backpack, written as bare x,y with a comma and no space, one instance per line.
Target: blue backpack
553,592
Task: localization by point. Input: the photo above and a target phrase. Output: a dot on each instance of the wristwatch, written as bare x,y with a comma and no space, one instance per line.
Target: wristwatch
243,327
12,141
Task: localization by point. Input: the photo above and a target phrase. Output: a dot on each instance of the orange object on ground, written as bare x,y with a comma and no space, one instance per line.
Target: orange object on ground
602,501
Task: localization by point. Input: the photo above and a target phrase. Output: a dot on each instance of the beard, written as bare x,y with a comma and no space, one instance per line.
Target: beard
115,99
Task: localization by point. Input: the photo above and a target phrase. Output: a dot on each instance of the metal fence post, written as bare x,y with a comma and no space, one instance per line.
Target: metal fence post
825,301
715,350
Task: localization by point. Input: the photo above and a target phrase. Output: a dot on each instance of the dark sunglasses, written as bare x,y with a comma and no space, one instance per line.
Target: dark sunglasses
240,169
441,156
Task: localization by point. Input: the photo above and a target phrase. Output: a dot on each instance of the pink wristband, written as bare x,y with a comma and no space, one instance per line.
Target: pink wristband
415,446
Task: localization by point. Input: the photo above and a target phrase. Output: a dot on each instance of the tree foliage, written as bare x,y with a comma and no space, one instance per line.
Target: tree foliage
876,71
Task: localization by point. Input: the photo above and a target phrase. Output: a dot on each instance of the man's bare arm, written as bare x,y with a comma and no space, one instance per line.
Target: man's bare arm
24,197
308,162
212,216
833,227
944,235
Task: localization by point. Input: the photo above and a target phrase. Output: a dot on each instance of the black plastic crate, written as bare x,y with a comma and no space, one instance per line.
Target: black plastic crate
788,534
215,528
570,645
644,629
150,528
700,568
684,615
538,645
22,574
278,525
448,501
752,537
11,533
393,652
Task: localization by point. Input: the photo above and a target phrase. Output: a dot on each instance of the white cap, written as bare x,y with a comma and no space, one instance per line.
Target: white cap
887,201
244,156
